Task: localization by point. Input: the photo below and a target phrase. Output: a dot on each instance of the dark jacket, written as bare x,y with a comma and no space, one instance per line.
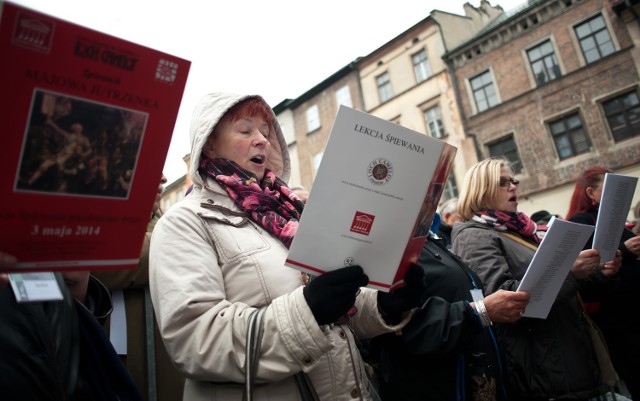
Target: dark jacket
613,311
444,232
544,359
39,348
56,350
442,339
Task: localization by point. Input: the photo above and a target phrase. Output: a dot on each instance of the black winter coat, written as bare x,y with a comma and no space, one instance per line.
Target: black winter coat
438,344
56,350
615,306
616,314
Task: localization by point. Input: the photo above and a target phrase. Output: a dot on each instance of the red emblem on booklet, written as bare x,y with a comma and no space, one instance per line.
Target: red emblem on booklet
33,31
362,223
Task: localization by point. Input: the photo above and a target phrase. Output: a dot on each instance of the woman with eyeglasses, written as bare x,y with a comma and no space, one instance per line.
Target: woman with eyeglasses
544,359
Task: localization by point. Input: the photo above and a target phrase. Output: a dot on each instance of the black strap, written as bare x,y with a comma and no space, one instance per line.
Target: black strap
255,331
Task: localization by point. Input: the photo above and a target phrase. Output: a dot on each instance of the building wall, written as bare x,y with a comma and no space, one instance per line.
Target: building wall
457,29
310,144
394,58
174,193
412,98
285,119
527,108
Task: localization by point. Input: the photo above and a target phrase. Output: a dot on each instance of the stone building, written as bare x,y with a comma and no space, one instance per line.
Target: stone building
407,81
404,81
175,191
553,86
312,115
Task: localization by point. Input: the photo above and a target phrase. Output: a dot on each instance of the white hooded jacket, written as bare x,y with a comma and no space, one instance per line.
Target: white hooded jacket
211,266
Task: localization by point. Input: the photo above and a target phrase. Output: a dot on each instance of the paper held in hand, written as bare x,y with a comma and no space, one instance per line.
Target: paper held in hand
87,121
617,194
551,263
373,199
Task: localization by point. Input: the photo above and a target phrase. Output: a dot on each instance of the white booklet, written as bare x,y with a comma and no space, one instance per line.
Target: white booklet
373,199
551,263
617,194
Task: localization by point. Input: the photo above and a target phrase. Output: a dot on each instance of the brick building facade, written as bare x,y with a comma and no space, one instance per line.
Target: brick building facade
554,87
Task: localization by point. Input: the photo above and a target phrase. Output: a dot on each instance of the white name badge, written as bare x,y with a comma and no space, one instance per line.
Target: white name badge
32,287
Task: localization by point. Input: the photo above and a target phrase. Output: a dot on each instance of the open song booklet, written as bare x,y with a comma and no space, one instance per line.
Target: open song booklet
617,194
373,199
551,263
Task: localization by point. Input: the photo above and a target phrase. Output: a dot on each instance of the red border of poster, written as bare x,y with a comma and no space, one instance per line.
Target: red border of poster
88,120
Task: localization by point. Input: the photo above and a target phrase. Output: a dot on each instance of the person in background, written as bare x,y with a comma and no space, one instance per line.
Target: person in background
636,214
552,358
611,312
447,351
57,350
219,255
541,217
301,192
145,356
449,215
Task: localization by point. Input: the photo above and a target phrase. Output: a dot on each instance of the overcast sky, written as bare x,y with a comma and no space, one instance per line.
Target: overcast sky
278,49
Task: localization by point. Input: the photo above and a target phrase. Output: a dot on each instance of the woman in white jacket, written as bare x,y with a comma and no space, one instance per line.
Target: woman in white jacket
219,254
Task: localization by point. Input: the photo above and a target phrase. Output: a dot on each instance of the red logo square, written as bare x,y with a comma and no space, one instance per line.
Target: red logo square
362,223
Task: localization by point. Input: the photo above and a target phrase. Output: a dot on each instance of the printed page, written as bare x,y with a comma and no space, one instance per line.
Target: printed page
367,197
87,122
617,194
551,263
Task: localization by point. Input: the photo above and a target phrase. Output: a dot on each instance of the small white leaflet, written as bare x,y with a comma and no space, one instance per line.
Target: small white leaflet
551,263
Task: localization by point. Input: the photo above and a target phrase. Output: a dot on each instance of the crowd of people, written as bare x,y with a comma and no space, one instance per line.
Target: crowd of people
212,274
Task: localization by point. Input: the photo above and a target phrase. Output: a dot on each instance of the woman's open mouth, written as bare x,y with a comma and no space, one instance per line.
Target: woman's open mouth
259,159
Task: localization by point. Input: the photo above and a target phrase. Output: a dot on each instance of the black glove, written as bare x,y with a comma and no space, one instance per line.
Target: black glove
392,305
331,294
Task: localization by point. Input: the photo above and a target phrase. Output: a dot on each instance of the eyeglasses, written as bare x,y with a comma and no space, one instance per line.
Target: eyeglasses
505,181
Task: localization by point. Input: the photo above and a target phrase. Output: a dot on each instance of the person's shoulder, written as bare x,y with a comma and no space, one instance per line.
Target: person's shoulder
467,227
178,213
583,218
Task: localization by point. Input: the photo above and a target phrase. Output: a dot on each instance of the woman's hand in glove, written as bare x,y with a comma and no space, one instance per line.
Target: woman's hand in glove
333,293
392,305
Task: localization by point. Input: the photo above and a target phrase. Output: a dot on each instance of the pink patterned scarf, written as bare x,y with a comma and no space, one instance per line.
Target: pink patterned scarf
502,221
270,203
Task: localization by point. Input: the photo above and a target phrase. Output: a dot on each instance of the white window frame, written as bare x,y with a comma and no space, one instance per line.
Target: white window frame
607,28
490,105
383,83
343,96
421,66
433,119
313,118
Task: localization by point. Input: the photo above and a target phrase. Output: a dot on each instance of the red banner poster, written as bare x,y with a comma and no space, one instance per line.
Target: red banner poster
87,123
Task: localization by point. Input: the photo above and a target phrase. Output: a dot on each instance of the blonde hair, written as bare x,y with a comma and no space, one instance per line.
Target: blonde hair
480,187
